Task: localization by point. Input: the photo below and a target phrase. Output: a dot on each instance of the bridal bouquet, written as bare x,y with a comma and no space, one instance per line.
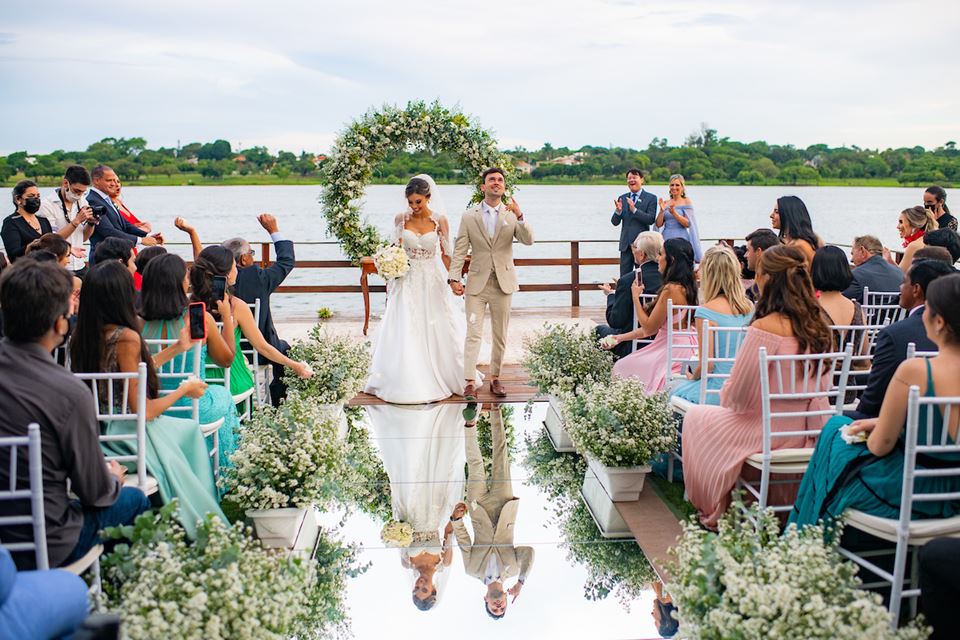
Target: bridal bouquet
397,534
391,262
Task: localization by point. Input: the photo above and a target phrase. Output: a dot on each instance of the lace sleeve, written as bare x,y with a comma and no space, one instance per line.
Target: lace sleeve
398,221
443,231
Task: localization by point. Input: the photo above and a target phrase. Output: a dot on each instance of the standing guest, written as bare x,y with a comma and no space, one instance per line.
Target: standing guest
23,226
868,476
118,249
791,217
939,587
637,210
125,211
757,242
70,215
725,305
35,300
935,200
718,440
831,276
620,318
944,238
253,282
870,269
679,285
110,224
912,224
676,220
891,343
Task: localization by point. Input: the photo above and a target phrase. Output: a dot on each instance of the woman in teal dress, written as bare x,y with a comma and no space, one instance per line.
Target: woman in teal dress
869,476
726,305
106,341
163,306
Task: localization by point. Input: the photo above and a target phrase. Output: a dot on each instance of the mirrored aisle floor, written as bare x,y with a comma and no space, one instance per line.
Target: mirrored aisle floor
523,517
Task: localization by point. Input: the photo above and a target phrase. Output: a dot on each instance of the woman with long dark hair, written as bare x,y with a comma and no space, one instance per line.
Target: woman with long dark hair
107,340
717,440
935,200
791,218
679,285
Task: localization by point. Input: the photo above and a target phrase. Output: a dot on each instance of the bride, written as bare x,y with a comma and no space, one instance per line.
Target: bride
418,357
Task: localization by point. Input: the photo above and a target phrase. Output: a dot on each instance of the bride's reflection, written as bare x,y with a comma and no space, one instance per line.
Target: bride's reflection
423,454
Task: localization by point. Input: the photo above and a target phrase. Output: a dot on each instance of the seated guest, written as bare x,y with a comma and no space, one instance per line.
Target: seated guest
717,440
946,238
935,199
35,300
145,256
70,215
890,348
870,269
110,224
23,226
725,305
791,217
40,604
869,476
939,586
679,285
163,307
53,244
116,249
757,242
620,318
107,340
831,275
912,224
939,254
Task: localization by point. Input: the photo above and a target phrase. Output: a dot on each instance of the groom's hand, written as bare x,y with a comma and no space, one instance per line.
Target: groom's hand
514,208
457,288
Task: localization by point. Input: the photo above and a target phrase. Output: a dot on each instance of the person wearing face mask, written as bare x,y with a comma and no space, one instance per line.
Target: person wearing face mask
23,226
71,216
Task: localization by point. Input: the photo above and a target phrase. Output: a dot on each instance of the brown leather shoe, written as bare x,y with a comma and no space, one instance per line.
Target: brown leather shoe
469,392
497,389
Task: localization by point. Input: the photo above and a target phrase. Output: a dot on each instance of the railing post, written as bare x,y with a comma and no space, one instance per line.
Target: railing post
574,273
264,255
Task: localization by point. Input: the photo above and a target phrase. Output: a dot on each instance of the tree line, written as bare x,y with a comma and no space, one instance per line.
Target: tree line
703,157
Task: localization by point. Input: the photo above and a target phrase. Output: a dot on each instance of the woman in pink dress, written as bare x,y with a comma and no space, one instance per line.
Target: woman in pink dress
718,440
679,285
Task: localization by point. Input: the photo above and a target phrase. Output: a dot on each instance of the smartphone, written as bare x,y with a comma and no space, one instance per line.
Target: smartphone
219,287
197,315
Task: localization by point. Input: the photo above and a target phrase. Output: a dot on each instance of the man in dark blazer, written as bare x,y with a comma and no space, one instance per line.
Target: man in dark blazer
111,224
637,210
870,269
620,313
891,346
255,282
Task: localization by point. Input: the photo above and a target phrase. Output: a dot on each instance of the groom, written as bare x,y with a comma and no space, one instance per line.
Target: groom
487,231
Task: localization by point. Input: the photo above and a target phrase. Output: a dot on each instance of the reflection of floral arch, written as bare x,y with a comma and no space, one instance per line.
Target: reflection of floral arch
366,141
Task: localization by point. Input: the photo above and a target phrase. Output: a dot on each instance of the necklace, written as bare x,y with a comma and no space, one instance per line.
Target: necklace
34,224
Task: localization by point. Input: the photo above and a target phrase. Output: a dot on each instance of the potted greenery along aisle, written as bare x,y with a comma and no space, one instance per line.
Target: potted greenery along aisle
290,461
559,359
619,429
339,367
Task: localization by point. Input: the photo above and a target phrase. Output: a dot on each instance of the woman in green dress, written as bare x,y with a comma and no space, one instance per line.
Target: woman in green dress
107,341
869,476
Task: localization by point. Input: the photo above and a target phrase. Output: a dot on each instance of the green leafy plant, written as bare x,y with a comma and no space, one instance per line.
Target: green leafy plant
560,358
324,313
369,487
558,475
339,365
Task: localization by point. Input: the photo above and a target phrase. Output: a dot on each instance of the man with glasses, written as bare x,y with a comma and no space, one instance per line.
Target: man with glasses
254,281
70,216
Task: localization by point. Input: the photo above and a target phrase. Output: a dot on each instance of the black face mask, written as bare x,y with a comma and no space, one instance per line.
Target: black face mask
31,205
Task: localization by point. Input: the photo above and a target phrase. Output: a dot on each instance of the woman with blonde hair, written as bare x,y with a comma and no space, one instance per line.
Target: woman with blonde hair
912,225
725,304
676,220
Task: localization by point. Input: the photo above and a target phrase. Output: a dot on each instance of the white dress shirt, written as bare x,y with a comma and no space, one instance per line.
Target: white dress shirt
52,209
490,217
492,573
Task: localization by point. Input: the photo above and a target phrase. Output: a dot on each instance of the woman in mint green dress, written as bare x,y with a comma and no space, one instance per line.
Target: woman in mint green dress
163,306
106,340
869,476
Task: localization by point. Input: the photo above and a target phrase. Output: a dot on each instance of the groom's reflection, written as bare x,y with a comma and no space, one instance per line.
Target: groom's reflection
489,555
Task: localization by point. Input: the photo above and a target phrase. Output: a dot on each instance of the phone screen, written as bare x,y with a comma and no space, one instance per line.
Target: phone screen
219,287
197,317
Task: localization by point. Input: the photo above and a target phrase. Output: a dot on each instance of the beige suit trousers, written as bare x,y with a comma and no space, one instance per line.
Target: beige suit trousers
476,308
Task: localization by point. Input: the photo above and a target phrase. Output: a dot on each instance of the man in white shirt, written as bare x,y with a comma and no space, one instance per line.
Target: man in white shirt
70,215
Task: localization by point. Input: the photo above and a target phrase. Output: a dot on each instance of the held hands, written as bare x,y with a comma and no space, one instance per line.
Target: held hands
268,222
457,288
153,240
459,511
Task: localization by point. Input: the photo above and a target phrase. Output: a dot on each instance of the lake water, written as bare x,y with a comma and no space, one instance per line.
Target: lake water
555,212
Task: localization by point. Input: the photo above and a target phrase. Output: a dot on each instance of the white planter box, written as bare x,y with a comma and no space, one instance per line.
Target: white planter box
341,415
602,509
278,528
554,423
622,484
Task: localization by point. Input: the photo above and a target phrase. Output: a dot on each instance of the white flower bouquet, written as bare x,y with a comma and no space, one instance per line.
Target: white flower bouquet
750,582
339,364
397,534
559,358
619,423
391,262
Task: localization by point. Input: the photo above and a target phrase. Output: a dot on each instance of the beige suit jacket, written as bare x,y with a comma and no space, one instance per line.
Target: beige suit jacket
488,255
514,561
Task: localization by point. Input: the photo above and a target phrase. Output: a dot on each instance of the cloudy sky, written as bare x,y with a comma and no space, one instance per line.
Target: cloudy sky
570,72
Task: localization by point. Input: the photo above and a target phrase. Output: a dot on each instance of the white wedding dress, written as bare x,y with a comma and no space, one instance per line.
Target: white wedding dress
418,356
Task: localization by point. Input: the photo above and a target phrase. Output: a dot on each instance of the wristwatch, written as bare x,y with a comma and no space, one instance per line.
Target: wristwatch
451,281
452,519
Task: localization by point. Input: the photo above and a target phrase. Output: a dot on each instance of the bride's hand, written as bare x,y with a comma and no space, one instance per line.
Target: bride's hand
457,288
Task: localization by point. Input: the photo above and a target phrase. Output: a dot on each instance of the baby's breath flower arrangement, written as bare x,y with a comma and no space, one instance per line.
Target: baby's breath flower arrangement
369,487
559,358
618,423
558,475
751,582
339,367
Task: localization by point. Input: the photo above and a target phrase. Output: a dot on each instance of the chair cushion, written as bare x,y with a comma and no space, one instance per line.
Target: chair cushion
786,460
920,531
241,397
680,405
210,427
151,486
86,561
